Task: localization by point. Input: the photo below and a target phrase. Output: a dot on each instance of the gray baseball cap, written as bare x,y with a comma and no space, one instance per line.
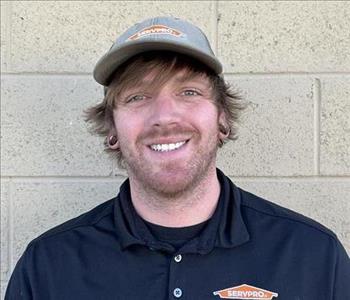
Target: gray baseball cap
160,33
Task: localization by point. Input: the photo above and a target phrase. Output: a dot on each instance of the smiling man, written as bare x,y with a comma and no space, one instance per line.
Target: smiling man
179,228
168,151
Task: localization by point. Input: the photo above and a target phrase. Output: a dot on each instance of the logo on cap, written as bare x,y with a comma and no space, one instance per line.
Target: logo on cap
245,291
156,29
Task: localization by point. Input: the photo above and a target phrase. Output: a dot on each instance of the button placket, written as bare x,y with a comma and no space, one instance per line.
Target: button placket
176,285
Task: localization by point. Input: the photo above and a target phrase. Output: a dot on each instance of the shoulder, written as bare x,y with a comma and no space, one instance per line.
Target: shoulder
257,206
84,221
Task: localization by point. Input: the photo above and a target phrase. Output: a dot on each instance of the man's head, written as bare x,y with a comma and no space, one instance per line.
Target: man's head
163,65
158,100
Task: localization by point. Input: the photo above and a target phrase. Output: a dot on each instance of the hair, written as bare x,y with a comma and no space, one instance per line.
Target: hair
164,64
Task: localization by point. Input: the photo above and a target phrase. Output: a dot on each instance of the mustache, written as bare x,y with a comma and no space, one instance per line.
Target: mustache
177,130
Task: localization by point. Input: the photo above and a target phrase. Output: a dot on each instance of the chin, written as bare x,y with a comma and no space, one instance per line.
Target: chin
170,187
171,178
175,180
166,181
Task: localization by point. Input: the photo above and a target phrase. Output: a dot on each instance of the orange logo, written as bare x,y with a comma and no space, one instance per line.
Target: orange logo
245,291
156,29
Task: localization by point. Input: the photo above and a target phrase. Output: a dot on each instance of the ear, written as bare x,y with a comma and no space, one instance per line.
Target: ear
112,141
224,128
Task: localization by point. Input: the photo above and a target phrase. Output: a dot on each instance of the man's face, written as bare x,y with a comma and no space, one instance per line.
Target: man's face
168,136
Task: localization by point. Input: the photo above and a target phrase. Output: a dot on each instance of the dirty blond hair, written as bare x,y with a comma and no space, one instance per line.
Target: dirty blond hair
164,64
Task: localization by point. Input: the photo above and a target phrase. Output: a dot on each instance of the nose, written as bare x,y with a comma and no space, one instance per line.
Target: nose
165,110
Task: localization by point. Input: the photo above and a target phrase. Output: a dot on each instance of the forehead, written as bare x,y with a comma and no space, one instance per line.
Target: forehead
153,72
177,77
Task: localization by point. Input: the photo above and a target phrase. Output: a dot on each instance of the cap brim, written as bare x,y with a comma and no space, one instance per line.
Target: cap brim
106,66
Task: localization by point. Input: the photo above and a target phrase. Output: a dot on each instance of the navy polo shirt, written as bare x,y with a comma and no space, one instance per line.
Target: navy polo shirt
249,248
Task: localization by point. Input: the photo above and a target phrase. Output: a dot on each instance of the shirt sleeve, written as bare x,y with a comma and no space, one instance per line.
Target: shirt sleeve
19,285
342,274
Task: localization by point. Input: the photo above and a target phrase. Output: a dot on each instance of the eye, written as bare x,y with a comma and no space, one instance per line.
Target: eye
190,92
135,98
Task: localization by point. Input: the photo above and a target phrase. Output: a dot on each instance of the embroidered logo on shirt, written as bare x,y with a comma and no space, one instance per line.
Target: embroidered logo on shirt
156,29
245,291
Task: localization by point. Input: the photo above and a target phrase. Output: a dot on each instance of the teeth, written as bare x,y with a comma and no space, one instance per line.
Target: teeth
167,147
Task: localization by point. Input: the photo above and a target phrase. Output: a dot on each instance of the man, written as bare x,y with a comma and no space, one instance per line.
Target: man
179,228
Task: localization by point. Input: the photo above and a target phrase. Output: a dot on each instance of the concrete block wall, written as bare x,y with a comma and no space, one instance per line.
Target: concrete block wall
290,60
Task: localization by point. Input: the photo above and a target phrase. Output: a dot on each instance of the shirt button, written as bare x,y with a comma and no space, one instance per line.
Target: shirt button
177,293
178,258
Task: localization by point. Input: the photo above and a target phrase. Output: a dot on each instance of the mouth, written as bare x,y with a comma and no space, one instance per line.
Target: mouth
168,147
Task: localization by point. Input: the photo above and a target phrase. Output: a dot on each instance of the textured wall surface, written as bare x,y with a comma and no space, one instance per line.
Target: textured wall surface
290,60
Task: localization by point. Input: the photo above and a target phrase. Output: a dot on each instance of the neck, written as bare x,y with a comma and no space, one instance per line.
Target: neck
186,208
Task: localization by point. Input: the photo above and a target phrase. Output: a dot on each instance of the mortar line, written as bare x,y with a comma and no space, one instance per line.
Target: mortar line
293,178
287,74
9,206
122,177
11,230
215,21
317,117
9,35
65,178
43,74
230,74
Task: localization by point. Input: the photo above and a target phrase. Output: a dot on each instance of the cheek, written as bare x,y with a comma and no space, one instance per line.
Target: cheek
207,115
120,125
127,125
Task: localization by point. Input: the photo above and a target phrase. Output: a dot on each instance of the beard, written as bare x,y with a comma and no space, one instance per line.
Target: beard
171,178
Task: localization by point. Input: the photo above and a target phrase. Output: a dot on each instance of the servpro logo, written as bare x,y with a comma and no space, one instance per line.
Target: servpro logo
245,291
156,29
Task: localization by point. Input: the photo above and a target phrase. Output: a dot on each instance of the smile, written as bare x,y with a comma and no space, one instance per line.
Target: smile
167,147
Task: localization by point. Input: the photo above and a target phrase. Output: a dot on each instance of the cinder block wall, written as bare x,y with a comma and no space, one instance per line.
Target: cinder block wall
290,60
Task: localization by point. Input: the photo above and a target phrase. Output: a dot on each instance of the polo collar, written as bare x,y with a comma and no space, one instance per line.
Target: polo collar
225,229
